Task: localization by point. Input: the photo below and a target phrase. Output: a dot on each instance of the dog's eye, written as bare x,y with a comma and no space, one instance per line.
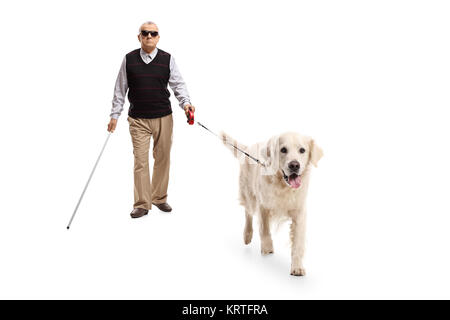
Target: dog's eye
283,150
302,150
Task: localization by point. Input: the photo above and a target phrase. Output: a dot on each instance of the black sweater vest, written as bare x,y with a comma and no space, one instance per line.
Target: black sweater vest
147,84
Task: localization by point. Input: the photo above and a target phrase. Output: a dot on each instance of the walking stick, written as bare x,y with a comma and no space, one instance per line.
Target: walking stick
82,194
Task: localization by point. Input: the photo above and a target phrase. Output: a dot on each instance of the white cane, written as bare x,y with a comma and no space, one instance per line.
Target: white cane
82,194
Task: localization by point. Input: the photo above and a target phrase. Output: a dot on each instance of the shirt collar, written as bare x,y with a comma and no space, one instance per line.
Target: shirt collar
145,55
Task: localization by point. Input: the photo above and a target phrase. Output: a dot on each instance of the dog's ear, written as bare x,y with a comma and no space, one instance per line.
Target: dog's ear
315,152
265,151
269,153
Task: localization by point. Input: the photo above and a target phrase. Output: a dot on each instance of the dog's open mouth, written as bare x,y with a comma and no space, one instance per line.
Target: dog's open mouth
294,180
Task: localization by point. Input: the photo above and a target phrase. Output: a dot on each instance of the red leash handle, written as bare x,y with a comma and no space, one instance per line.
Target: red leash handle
190,117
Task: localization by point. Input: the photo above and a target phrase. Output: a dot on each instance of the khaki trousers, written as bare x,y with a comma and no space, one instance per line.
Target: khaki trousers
147,192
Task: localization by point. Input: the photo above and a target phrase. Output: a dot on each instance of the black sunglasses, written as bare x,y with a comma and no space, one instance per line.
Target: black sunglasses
146,33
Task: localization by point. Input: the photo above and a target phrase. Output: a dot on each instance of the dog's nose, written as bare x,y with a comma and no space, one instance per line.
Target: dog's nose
294,166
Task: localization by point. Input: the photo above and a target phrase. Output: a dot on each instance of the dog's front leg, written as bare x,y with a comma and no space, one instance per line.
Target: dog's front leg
264,231
298,243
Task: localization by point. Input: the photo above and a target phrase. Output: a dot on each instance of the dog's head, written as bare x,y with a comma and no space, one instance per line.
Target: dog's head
290,154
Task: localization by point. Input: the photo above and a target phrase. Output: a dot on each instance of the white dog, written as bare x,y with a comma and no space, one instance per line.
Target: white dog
277,190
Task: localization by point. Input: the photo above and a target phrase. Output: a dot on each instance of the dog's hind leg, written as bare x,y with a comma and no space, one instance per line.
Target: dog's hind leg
248,230
264,232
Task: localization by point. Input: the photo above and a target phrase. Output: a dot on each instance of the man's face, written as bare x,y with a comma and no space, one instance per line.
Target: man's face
148,42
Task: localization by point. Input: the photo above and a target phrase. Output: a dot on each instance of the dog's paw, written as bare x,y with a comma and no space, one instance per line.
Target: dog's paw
248,237
265,252
268,249
266,245
298,272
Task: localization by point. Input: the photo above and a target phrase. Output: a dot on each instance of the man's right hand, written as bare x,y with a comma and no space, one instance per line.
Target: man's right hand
112,125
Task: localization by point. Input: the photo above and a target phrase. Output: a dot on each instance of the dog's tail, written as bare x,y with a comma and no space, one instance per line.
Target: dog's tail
232,144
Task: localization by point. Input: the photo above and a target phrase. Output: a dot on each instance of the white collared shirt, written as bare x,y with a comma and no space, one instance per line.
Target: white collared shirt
148,57
176,83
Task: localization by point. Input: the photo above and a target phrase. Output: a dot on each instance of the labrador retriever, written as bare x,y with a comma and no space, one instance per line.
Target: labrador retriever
276,191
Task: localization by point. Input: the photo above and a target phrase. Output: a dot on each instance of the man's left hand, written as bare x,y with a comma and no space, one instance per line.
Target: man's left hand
187,108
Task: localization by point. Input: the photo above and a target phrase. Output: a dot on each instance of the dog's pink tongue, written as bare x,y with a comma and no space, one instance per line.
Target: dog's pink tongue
295,182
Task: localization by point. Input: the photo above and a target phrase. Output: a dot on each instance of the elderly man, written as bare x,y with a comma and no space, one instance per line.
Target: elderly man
146,72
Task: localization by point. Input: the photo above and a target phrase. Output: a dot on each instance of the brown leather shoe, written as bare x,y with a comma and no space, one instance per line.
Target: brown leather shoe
163,207
138,212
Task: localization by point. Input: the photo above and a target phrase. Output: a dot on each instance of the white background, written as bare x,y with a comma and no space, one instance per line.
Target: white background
368,80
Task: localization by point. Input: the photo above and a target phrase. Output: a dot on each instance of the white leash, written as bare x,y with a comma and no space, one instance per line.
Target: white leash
251,157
